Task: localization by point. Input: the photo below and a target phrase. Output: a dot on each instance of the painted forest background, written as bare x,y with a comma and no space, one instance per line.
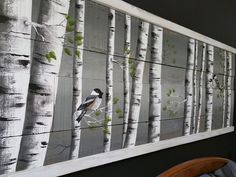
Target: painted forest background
157,84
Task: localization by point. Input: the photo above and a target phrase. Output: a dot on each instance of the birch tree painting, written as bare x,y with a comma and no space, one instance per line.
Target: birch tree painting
77,75
188,112
43,78
209,87
109,81
201,87
137,85
229,94
15,47
155,84
127,53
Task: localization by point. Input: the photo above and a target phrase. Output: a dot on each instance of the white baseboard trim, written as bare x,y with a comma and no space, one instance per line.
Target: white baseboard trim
83,163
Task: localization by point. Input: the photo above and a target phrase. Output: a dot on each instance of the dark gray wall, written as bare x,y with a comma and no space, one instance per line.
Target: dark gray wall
215,19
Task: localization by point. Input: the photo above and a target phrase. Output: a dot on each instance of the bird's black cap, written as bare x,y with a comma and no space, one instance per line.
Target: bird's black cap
98,91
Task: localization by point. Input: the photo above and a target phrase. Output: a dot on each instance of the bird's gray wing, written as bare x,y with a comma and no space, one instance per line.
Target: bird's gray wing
89,100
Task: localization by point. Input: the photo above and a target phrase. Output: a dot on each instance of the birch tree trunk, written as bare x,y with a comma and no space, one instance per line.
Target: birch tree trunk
137,85
201,87
195,101
126,76
109,82
225,88
155,85
229,79
77,77
209,87
15,46
44,73
188,112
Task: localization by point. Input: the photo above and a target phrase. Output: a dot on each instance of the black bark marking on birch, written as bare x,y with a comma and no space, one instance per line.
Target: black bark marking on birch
8,119
41,123
5,19
110,16
3,90
24,63
18,105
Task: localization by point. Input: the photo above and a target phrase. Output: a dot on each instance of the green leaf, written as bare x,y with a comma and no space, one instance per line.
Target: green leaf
71,21
115,100
106,130
164,108
92,126
98,113
77,53
51,55
168,102
120,116
127,51
132,72
107,120
70,40
69,28
131,61
79,38
68,51
119,111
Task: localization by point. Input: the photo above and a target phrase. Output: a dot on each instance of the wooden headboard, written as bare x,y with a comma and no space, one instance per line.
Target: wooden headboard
196,167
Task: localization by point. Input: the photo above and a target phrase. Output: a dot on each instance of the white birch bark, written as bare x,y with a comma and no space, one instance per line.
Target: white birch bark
188,112
126,76
195,101
77,78
109,82
137,85
201,87
155,84
225,88
15,46
43,78
229,80
209,87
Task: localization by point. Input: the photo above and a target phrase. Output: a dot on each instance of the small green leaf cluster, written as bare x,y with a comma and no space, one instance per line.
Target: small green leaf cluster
119,113
97,113
115,100
167,107
78,39
171,91
70,23
132,67
92,126
51,56
105,125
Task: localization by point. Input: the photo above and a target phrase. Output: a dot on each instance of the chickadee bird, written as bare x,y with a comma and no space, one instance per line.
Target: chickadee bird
91,103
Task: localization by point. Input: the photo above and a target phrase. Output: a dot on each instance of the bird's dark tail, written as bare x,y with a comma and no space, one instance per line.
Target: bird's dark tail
81,116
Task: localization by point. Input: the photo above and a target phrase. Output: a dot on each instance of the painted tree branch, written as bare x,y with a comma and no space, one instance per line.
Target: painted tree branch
42,88
126,76
77,76
188,112
109,82
15,49
155,84
209,89
201,87
137,85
